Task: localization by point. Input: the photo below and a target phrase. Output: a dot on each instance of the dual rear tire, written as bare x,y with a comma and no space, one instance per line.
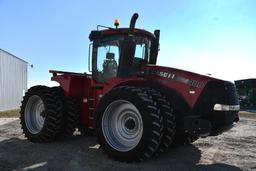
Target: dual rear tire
40,116
46,114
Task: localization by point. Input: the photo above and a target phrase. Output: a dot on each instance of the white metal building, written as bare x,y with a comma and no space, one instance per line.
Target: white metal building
13,80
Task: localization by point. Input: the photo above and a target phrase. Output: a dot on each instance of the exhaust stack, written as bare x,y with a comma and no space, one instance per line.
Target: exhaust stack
133,22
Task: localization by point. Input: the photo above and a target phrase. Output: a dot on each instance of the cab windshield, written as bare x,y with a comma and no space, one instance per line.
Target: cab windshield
106,55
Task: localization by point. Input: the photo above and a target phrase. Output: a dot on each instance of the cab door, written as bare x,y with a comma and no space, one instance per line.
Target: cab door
106,54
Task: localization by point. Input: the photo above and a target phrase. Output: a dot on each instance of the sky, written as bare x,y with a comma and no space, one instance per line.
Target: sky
208,37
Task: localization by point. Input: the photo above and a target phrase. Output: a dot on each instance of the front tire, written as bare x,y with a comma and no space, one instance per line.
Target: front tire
40,115
128,124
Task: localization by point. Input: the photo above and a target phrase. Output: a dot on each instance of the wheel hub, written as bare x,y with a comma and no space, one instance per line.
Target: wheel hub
130,124
34,114
43,114
122,125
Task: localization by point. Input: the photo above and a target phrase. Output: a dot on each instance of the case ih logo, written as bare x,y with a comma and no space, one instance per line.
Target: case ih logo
172,76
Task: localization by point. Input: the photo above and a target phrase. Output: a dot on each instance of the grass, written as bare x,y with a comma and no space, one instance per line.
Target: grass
10,113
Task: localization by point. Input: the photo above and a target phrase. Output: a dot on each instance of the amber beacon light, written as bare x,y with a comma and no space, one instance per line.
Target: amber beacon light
116,23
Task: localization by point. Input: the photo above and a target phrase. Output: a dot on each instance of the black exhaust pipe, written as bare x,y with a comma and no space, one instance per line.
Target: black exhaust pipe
154,48
133,22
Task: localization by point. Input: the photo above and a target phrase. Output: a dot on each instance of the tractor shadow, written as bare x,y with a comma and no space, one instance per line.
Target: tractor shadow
82,153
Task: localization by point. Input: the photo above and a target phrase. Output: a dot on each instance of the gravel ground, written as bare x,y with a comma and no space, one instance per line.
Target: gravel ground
234,150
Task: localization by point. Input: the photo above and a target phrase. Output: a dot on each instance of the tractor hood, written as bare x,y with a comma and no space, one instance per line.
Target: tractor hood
181,76
188,84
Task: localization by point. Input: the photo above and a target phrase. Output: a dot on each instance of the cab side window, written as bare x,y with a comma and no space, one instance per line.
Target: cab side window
107,60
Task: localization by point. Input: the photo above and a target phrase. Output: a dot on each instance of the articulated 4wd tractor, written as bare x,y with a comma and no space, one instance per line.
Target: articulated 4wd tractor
136,108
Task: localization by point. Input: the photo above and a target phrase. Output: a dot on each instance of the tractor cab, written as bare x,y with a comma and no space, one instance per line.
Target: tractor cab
121,52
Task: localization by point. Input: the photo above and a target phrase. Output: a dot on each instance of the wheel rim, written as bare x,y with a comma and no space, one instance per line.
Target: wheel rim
34,114
122,125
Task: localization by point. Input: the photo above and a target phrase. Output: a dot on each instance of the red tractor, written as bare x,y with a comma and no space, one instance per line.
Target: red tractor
136,108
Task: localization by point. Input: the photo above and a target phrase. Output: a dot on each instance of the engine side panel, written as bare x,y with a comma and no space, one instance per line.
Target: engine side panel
189,85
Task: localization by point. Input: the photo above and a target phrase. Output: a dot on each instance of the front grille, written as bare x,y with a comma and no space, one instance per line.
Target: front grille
221,93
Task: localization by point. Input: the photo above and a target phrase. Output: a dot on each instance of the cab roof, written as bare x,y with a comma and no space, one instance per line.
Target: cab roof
99,34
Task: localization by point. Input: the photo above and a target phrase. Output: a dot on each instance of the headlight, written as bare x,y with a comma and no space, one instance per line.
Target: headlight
222,107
